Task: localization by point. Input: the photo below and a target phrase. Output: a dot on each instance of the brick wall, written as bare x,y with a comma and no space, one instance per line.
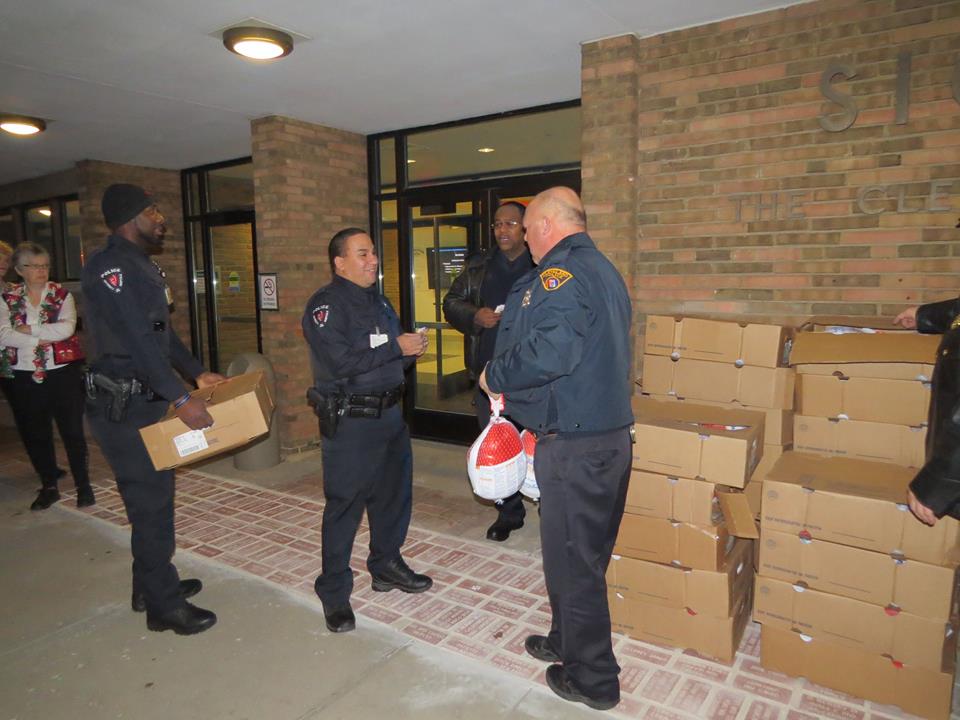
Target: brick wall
309,182
608,148
94,177
742,203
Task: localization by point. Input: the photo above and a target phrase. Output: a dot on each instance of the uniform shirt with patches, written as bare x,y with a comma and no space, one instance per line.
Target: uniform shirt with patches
563,351
125,305
338,322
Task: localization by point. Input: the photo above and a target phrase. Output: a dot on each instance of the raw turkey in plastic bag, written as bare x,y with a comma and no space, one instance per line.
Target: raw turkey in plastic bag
496,463
529,487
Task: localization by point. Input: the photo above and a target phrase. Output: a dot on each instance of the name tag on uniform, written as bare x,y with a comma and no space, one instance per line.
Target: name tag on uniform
378,339
168,294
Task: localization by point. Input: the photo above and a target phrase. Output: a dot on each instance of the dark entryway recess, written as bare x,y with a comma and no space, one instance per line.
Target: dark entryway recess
433,194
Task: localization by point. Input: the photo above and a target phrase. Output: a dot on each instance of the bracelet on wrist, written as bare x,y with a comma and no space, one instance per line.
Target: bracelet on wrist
181,401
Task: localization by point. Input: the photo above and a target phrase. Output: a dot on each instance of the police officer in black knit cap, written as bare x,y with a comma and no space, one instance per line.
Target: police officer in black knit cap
358,355
130,384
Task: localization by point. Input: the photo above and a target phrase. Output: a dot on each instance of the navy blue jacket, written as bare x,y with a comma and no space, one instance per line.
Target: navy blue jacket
337,324
937,485
125,305
563,351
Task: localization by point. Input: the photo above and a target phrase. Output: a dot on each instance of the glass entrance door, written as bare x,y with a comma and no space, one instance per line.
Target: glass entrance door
443,231
224,289
438,229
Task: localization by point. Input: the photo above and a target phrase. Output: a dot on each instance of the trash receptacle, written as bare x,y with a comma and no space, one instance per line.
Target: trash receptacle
263,452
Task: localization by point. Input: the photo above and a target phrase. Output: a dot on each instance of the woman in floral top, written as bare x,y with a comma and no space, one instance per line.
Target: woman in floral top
43,375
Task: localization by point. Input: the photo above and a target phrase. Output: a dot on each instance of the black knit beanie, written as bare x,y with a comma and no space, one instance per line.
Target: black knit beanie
122,202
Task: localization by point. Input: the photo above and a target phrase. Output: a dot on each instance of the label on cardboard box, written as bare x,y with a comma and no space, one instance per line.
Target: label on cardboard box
862,440
697,441
909,585
190,442
917,690
853,502
906,638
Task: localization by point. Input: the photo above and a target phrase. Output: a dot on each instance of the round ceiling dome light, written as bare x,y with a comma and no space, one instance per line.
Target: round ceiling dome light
21,124
258,43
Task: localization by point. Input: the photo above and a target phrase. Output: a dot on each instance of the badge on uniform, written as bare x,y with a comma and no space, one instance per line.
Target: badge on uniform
554,278
526,297
321,314
113,279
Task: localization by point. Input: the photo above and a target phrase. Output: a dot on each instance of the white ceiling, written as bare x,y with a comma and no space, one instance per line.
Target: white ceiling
144,81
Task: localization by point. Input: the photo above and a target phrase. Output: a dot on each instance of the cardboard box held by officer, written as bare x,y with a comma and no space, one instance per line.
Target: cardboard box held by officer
241,407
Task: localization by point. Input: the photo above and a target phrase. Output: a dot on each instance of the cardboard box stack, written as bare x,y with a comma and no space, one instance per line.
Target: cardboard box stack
853,592
682,571
863,393
729,365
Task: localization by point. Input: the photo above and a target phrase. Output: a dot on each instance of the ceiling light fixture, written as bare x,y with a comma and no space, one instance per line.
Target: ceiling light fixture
258,43
21,125
46,212
485,150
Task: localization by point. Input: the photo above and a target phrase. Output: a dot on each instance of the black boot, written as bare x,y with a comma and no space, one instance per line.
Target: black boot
85,496
45,498
184,620
396,574
562,685
339,619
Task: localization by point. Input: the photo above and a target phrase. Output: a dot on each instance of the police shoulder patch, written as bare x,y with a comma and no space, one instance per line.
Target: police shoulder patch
113,279
321,314
554,278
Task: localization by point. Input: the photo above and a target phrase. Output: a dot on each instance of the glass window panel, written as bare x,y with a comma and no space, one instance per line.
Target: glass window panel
390,252
199,289
230,188
536,140
39,226
441,243
72,246
388,164
234,292
7,230
193,193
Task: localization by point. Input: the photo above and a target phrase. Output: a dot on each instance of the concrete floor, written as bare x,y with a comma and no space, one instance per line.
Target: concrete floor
72,648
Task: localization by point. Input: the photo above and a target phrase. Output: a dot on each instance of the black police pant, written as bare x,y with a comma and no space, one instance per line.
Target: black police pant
510,508
367,465
148,497
583,488
36,406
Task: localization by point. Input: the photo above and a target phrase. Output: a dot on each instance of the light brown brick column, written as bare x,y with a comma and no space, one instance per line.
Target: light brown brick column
309,182
608,149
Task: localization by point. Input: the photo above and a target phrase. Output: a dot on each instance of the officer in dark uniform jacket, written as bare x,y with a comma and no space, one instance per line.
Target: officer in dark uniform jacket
562,362
131,383
358,353
935,491
471,306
